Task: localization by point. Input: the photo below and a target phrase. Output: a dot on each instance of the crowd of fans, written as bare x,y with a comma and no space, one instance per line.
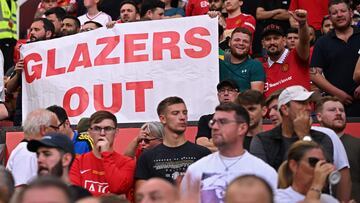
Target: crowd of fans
289,61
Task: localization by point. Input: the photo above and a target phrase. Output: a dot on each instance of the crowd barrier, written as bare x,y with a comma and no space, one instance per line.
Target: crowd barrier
11,136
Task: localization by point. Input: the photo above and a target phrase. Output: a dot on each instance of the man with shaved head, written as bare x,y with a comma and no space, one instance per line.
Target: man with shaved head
157,190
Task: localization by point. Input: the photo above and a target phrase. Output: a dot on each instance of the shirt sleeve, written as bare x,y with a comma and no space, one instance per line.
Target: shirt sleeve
74,174
250,24
189,8
142,171
203,128
21,176
257,148
257,72
318,58
119,172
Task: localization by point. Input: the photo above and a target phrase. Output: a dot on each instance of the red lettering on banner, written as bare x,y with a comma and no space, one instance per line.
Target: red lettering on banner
132,44
159,45
131,47
81,50
111,43
51,70
83,101
205,45
139,88
116,98
36,69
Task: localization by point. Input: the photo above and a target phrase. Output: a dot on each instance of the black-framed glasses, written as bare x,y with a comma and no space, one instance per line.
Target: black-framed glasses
148,140
221,122
56,128
61,123
98,129
229,90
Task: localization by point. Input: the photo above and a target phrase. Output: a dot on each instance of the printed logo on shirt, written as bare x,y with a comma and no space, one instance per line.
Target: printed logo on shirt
238,22
271,85
96,187
243,71
285,67
204,4
84,171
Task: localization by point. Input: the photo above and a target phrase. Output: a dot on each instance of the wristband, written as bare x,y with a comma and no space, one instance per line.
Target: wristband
359,52
316,190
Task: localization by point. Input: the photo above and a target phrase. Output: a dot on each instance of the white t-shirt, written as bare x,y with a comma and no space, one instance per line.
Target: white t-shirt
211,174
289,195
22,164
101,18
339,154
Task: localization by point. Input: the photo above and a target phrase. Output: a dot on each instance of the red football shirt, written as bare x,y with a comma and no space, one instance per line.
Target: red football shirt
242,20
197,7
114,173
289,70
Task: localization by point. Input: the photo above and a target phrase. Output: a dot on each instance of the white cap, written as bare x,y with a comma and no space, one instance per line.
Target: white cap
293,93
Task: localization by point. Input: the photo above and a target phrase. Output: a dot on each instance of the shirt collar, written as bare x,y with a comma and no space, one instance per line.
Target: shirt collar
280,60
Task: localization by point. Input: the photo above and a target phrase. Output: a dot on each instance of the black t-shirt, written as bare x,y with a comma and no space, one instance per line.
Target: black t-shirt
168,162
203,126
269,5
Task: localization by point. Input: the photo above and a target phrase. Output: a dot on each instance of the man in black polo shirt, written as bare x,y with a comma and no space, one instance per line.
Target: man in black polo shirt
294,106
335,55
228,91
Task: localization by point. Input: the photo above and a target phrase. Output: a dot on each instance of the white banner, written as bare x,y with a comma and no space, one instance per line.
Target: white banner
127,70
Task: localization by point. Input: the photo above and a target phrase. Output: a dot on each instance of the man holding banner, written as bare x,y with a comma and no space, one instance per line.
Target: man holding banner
126,70
40,29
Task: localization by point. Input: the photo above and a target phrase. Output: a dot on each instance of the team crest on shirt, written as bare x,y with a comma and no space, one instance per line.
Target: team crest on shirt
285,67
238,22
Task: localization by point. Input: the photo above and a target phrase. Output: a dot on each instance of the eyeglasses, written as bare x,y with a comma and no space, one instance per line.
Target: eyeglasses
107,129
313,161
56,128
221,122
148,140
61,123
229,90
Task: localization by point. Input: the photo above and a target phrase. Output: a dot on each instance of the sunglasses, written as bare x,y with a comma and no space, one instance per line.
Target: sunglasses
147,140
313,161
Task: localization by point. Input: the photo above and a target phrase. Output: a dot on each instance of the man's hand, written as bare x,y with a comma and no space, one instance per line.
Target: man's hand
103,145
357,93
344,97
19,67
214,14
110,24
299,15
302,124
321,172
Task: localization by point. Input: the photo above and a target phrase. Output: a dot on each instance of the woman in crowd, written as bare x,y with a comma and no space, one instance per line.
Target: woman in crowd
303,175
150,135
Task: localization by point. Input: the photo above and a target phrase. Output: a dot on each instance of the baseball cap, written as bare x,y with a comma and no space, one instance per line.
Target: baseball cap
227,83
52,140
272,29
293,93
